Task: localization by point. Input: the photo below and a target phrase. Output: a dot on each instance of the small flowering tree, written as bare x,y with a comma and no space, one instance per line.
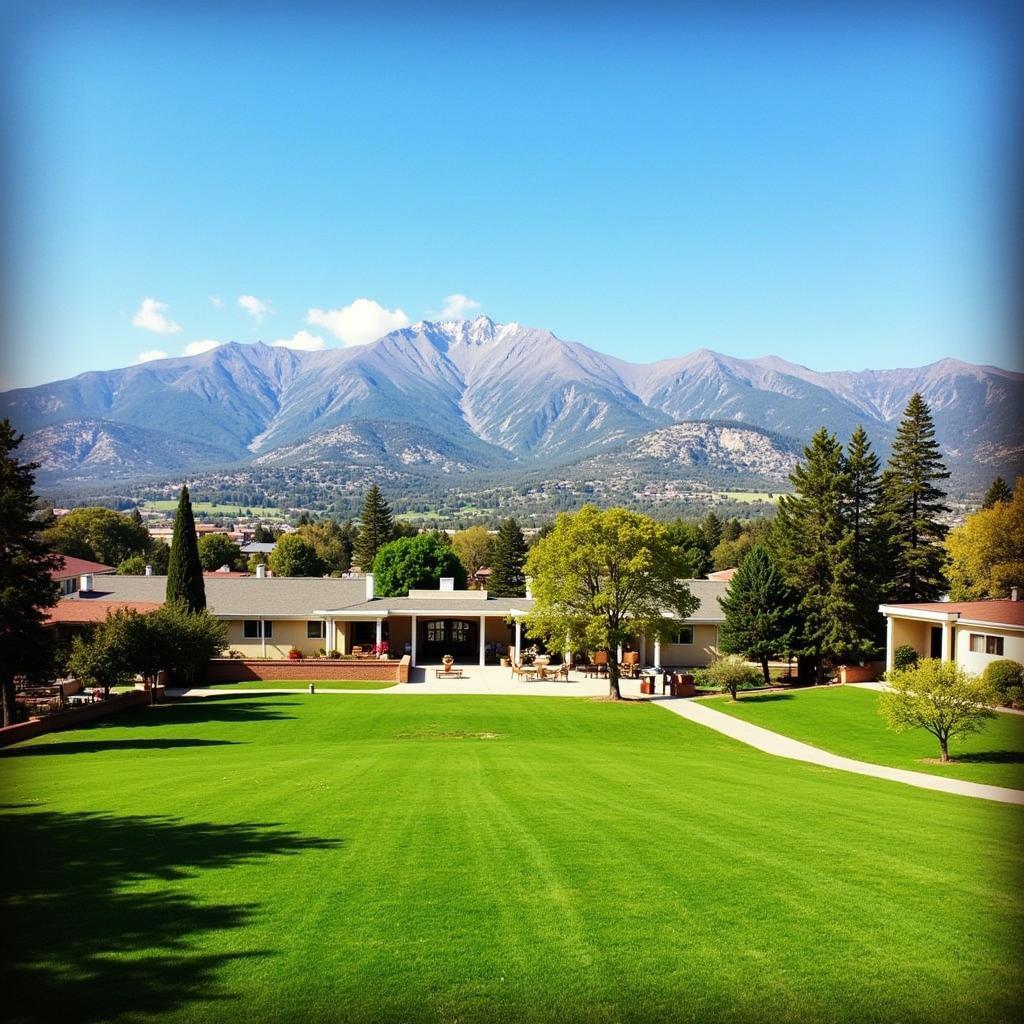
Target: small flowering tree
380,650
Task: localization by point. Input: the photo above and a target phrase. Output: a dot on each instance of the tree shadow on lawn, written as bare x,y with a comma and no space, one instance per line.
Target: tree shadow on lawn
763,698
80,945
194,710
988,757
100,746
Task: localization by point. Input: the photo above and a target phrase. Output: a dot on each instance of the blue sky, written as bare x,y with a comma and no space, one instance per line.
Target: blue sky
828,188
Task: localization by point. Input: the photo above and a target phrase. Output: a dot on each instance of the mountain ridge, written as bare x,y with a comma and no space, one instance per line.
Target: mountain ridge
481,393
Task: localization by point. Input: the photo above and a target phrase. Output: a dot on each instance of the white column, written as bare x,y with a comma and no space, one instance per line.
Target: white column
643,649
618,655
567,653
889,634
519,642
412,660
657,653
380,631
947,630
483,640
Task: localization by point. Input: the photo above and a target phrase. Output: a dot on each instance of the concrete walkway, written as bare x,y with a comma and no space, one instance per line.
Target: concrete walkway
783,746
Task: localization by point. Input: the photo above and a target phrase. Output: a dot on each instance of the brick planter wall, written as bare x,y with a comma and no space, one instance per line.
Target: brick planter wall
241,670
72,718
861,673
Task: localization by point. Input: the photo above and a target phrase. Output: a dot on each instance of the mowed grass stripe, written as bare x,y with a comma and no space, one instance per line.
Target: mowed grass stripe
594,862
845,720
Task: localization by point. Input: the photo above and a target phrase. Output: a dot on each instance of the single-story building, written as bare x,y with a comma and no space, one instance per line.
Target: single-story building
971,633
73,569
267,616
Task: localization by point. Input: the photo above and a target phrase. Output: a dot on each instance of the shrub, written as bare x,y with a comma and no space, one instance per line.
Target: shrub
1005,677
294,654
732,673
904,657
334,653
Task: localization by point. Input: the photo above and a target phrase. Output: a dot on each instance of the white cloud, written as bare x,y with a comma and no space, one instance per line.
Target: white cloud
216,301
195,348
457,306
256,308
150,317
303,341
359,323
150,355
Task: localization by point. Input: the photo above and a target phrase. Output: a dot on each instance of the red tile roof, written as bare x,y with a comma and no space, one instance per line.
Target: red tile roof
722,574
1005,613
78,566
93,610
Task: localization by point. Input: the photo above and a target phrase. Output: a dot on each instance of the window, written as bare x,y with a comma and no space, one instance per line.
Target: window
435,631
316,629
251,629
984,644
684,635
460,632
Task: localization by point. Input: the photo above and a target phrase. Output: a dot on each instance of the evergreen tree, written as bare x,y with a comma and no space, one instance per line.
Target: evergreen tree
760,614
999,491
26,588
184,570
711,528
507,576
869,548
376,525
914,507
815,553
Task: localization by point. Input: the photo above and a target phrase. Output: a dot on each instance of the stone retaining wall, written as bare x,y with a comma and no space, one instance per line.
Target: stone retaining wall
72,718
241,670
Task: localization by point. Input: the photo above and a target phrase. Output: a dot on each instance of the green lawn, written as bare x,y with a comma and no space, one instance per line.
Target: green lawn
292,684
212,508
845,720
479,859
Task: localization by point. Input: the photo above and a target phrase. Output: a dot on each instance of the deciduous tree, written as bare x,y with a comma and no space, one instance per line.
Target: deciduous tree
601,577
98,534
940,697
295,556
218,549
986,552
473,546
411,563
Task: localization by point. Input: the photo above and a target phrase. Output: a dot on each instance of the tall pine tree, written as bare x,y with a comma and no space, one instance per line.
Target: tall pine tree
815,546
999,491
184,570
376,528
507,576
760,613
914,507
26,587
869,547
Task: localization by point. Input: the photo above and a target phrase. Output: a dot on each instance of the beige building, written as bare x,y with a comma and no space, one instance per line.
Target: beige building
971,633
268,616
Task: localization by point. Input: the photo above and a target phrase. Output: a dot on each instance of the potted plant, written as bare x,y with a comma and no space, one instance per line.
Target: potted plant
294,654
447,661
381,650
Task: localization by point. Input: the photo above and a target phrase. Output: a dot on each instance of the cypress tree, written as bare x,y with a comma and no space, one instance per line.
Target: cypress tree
868,551
760,614
376,527
815,547
999,491
26,561
507,576
184,570
914,507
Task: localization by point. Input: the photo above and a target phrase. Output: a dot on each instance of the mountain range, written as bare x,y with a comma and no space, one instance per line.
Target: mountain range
462,396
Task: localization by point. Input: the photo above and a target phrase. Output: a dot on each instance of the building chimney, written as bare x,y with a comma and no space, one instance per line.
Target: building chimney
261,571
370,595
529,589
85,583
149,570
1013,594
446,583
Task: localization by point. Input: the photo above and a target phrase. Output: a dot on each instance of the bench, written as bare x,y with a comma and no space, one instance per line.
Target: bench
454,673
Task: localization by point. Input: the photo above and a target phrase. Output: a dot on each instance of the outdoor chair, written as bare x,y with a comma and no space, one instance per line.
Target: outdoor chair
630,664
601,662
